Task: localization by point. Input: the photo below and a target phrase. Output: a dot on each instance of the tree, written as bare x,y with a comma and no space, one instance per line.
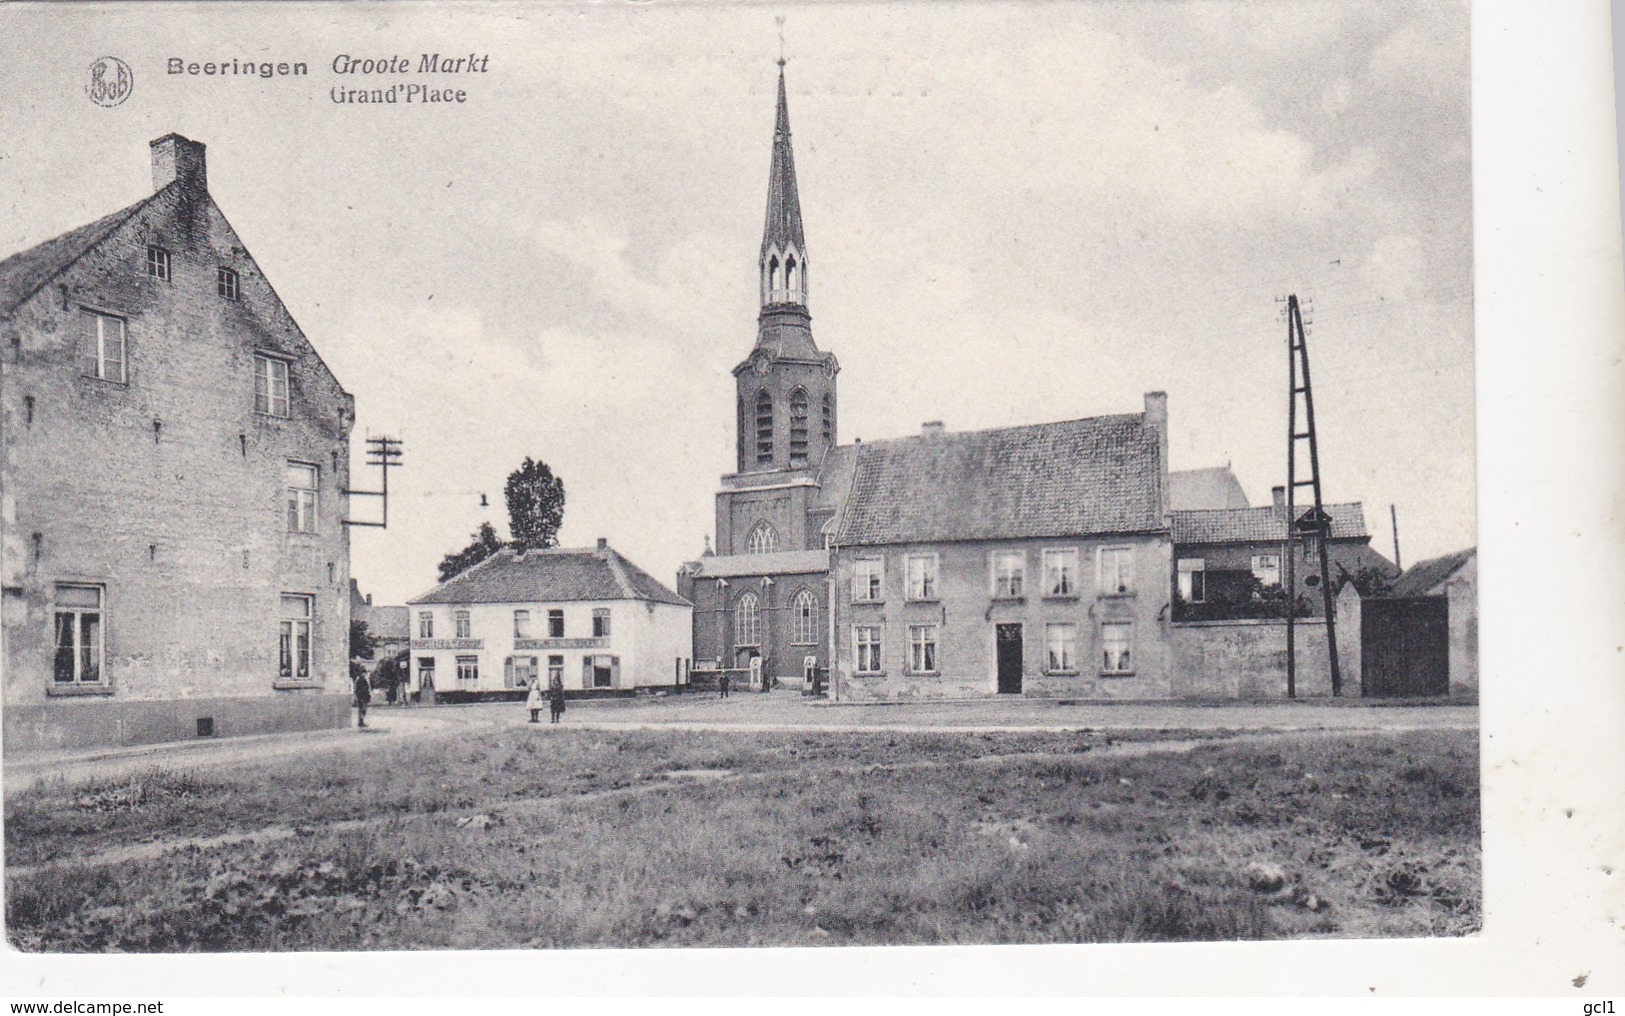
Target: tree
484,543
535,505
363,643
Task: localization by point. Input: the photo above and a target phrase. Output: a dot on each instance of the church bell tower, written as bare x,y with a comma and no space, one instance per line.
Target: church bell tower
786,386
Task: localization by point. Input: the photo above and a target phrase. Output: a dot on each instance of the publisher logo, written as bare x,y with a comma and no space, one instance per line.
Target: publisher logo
110,81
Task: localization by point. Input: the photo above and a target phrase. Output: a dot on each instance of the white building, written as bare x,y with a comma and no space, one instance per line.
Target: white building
588,615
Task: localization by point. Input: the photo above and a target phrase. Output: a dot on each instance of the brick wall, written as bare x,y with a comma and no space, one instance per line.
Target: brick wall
168,490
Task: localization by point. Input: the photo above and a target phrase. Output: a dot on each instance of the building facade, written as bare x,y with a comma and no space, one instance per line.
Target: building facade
175,558
588,616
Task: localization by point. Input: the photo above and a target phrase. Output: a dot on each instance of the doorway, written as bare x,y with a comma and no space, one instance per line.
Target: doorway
1009,645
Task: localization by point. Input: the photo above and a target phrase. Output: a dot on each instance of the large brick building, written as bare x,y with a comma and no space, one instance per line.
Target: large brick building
175,559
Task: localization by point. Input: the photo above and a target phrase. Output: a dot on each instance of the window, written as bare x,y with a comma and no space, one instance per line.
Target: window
225,283
270,385
294,648
922,576
798,427
1116,639
804,611
518,671
600,623
302,485
601,671
463,626
748,621
1192,579
1008,569
922,648
866,579
764,428
1267,569
1061,572
763,539
555,624
1116,570
829,421
79,647
555,671
425,624
866,639
468,669
521,624
158,263
101,348
1061,648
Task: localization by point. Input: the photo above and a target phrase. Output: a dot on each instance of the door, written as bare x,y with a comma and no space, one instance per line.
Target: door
1009,643
1404,647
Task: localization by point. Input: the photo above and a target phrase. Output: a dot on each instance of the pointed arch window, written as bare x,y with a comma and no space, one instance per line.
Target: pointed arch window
798,427
741,430
829,421
790,278
748,621
804,613
764,428
772,276
763,539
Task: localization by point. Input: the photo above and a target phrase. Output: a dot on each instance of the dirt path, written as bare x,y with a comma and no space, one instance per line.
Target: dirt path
752,713
478,819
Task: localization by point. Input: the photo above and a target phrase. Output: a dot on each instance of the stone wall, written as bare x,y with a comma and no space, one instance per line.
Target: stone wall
1247,659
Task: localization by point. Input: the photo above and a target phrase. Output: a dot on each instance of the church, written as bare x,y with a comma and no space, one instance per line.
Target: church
1036,561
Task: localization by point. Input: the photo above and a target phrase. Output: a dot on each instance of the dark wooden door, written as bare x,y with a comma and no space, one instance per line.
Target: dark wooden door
1009,642
1404,647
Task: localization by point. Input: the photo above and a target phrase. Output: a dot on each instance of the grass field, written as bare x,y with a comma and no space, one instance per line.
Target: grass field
543,837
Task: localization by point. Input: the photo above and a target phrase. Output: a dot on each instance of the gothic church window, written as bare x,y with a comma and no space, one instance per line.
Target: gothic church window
748,621
806,618
764,428
762,540
798,427
829,421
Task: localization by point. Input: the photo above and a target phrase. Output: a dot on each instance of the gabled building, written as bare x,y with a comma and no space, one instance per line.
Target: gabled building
1026,560
587,616
175,559
1225,558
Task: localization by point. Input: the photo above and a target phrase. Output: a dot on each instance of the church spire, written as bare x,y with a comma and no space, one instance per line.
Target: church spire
784,248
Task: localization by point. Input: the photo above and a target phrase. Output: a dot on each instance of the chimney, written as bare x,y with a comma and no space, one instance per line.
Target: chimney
177,158
1156,416
1278,496
603,544
932,428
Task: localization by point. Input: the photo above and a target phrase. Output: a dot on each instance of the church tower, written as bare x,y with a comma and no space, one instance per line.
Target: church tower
786,386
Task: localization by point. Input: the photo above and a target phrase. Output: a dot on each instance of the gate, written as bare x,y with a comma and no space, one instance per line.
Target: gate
1404,647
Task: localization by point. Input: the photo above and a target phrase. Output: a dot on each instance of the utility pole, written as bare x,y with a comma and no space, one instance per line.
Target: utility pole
1314,528
1393,516
383,452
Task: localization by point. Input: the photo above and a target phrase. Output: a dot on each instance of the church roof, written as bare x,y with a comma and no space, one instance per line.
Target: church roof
550,576
783,226
1076,477
1213,487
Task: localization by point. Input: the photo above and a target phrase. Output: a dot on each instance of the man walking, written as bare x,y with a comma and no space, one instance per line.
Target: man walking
363,698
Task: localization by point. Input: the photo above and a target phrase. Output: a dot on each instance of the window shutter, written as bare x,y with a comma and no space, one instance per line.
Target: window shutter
614,671
586,672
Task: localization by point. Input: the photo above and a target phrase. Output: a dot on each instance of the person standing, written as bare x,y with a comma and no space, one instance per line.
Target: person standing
363,698
722,684
533,701
555,697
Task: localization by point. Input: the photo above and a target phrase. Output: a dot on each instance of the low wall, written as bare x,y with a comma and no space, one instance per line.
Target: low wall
76,724
1246,659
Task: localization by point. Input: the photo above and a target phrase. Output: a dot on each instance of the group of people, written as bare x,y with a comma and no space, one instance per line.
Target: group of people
554,696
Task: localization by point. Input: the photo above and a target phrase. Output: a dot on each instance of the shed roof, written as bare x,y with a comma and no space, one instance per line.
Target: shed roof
1422,578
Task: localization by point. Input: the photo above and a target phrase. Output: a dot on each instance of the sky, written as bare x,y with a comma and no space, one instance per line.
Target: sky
1014,213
